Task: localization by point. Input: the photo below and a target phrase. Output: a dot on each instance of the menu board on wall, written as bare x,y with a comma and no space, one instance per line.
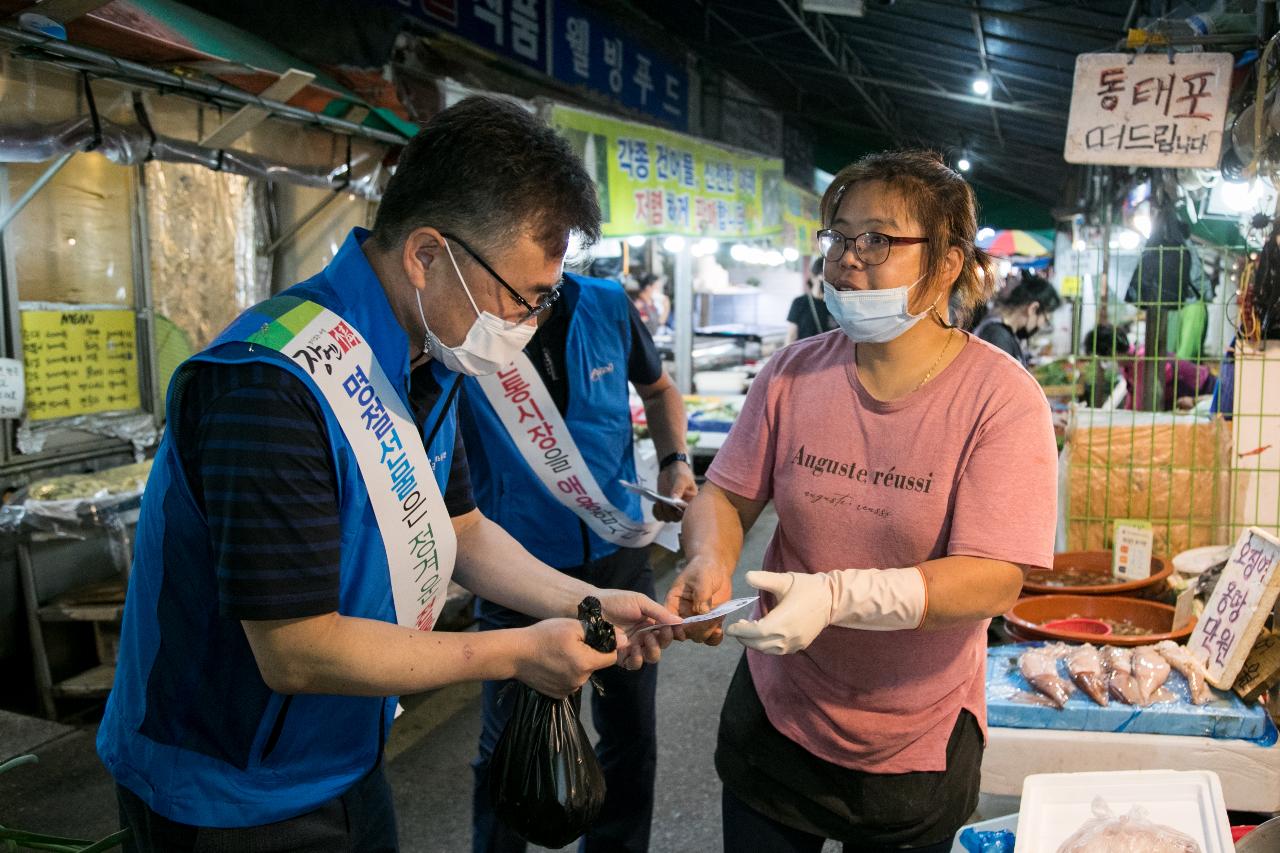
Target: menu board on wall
79,361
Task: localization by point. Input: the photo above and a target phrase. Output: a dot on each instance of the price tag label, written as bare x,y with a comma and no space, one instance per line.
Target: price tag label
13,389
1184,608
1131,553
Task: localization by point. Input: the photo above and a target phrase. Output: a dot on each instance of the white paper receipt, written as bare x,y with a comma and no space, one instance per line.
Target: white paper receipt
723,610
650,494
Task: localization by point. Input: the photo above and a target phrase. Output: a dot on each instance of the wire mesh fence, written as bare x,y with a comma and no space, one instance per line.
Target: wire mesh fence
1174,400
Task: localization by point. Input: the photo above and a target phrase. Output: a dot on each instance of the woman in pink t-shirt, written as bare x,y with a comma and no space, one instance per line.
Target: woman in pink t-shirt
913,470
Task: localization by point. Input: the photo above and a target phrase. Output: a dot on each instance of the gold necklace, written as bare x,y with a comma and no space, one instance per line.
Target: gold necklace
936,362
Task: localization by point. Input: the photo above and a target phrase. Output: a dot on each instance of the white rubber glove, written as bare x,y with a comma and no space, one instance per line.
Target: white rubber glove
869,599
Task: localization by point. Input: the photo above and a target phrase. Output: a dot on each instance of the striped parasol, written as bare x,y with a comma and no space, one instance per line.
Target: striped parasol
1008,243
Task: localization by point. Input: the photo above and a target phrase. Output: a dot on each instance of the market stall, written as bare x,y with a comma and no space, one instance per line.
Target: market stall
1163,465
140,211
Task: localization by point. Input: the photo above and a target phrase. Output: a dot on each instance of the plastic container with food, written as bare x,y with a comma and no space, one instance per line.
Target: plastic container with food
1133,621
1055,806
1089,573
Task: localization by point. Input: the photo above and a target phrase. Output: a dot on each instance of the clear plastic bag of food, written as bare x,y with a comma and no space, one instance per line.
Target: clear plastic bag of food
1134,832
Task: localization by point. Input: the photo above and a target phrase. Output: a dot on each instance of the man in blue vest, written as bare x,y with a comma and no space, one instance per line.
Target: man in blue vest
311,499
574,374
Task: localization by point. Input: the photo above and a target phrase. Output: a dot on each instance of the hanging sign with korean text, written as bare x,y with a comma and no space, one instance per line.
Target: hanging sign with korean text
571,42
1145,110
1241,601
590,51
654,181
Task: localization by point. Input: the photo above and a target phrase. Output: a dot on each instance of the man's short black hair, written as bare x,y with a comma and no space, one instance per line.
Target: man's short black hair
486,169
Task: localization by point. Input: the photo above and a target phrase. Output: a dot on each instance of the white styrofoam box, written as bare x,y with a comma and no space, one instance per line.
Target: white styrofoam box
1249,773
1055,805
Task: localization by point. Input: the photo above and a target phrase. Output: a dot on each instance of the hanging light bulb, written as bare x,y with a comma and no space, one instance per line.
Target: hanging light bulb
963,164
637,241
673,244
790,255
705,246
982,86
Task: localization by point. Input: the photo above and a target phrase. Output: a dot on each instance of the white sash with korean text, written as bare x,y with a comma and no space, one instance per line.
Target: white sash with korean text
524,405
416,530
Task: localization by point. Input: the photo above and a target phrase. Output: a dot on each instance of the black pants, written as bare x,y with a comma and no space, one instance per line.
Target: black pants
747,829
774,788
362,820
624,713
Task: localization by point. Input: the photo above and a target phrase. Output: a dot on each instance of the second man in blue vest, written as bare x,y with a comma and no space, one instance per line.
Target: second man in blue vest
589,345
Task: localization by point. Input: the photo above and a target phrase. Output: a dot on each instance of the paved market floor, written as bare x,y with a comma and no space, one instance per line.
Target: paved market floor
69,793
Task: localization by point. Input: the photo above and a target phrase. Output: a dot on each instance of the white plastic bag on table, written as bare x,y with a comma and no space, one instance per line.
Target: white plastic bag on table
1131,833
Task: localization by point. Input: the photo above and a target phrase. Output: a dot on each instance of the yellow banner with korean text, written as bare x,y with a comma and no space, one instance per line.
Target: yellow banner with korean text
655,181
801,219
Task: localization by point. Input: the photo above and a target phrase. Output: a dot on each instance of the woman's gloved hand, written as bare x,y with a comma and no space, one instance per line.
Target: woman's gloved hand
869,599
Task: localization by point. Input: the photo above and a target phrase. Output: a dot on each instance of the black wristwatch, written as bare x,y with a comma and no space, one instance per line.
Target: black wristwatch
673,457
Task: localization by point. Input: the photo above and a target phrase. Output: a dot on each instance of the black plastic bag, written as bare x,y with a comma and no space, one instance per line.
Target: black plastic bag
544,779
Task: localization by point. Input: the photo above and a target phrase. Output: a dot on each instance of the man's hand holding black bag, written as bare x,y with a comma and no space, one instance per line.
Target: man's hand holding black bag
545,780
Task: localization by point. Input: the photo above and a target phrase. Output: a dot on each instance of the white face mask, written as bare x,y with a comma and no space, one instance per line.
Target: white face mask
872,316
491,342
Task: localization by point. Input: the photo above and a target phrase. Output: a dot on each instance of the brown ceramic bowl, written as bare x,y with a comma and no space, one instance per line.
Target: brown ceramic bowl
1089,563
1028,617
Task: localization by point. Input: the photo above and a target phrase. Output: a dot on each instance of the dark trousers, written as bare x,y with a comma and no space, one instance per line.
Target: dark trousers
747,829
776,789
363,820
623,712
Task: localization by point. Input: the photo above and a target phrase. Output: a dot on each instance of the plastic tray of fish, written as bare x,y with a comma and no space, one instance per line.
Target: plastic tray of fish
1056,805
1173,713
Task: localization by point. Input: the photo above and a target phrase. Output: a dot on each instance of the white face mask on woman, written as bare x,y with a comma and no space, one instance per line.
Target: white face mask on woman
872,316
491,342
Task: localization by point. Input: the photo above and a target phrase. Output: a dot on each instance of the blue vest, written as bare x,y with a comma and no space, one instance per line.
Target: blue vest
599,419
307,749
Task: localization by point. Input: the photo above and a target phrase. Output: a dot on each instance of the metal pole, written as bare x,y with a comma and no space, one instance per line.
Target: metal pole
683,286
39,184
1053,113
845,62
1104,280
111,66
302,223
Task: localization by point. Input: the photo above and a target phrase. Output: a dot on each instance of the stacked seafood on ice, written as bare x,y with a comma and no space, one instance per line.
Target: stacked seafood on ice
1132,676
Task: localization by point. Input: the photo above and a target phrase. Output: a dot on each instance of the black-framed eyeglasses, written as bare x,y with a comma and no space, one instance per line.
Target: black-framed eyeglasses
870,247
547,300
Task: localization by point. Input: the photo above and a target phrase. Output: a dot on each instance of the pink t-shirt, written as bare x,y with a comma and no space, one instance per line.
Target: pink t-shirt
967,465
